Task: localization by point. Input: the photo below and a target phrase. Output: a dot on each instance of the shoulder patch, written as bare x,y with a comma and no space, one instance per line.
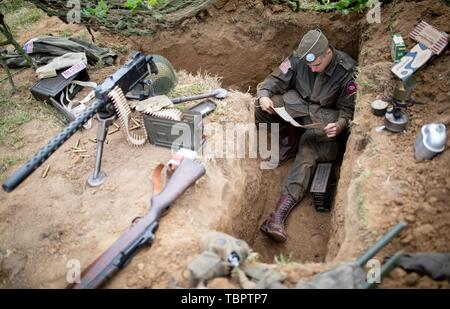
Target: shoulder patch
285,66
351,87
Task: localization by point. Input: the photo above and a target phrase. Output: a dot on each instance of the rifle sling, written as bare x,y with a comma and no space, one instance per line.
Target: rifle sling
156,179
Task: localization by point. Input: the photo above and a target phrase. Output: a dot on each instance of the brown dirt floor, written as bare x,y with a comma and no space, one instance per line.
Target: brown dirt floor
48,221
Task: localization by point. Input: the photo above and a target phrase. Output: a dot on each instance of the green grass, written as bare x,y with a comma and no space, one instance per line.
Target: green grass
361,210
119,48
20,13
7,162
281,259
10,6
18,107
85,36
341,6
15,111
65,33
13,115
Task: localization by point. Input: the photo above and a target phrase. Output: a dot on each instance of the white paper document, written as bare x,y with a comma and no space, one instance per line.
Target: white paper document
281,111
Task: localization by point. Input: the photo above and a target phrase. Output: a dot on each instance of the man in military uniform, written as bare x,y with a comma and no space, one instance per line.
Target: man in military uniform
315,84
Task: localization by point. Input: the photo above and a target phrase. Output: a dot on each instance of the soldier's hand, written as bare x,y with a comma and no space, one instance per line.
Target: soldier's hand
266,105
332,129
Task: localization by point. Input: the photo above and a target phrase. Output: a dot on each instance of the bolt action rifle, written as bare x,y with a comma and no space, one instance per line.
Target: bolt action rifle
132,73
142,230
351,275
380,244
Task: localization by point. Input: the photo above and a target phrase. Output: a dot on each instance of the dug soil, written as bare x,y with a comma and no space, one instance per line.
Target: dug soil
46,223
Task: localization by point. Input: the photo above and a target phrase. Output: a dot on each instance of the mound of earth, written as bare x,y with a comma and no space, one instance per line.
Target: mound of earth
47,222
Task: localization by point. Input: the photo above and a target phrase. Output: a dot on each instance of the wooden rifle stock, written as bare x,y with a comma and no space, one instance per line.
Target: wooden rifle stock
141,232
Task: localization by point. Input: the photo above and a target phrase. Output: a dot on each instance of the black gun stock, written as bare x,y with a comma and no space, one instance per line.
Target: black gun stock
142,232
127,77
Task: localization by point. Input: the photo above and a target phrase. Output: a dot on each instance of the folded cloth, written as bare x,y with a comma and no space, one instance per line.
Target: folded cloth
43,49
59,63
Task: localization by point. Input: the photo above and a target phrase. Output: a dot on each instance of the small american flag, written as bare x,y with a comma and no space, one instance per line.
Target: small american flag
285,66
28,47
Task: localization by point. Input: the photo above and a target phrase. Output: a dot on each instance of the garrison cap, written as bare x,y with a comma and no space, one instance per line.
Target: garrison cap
313,44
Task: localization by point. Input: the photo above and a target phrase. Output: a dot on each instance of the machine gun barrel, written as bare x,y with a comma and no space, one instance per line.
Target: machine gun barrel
380,244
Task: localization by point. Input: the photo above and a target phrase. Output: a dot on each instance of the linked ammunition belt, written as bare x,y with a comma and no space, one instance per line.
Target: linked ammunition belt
124,113
170,113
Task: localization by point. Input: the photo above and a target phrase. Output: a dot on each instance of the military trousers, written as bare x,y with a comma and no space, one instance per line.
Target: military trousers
313,148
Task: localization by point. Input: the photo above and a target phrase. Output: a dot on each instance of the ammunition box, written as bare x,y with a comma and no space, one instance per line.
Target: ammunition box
187,133
322,187
53,87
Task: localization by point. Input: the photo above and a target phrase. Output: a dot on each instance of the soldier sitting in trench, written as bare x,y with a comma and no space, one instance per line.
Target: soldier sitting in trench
315,84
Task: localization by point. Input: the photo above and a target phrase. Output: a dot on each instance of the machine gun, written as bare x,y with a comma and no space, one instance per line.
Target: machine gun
131,74
142,230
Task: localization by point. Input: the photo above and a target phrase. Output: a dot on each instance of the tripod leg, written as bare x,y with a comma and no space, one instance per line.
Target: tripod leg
98,177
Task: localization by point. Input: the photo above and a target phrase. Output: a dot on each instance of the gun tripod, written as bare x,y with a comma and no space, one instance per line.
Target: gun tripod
98,176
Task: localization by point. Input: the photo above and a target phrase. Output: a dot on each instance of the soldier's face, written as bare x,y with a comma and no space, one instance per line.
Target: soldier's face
319,65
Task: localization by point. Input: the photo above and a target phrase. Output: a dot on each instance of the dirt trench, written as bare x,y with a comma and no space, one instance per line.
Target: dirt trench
243,46
243,42
235,196
379,184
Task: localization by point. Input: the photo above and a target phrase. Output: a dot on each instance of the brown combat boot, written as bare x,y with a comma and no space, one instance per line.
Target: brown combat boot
274,224
288,147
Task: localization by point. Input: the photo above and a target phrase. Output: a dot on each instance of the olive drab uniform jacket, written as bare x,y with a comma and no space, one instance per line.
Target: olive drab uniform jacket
326,97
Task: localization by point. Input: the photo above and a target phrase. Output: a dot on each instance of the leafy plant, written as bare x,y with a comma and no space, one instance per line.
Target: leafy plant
282,259
156,3
344,6
20,14
132,4
99,10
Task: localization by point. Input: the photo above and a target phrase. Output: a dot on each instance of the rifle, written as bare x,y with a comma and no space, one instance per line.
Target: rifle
351,275
380,244
142,231
132,73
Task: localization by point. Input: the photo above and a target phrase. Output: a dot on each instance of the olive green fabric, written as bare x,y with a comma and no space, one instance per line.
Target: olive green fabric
221,253
216,260
313,44
44,49
206,266
224,245
326,97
